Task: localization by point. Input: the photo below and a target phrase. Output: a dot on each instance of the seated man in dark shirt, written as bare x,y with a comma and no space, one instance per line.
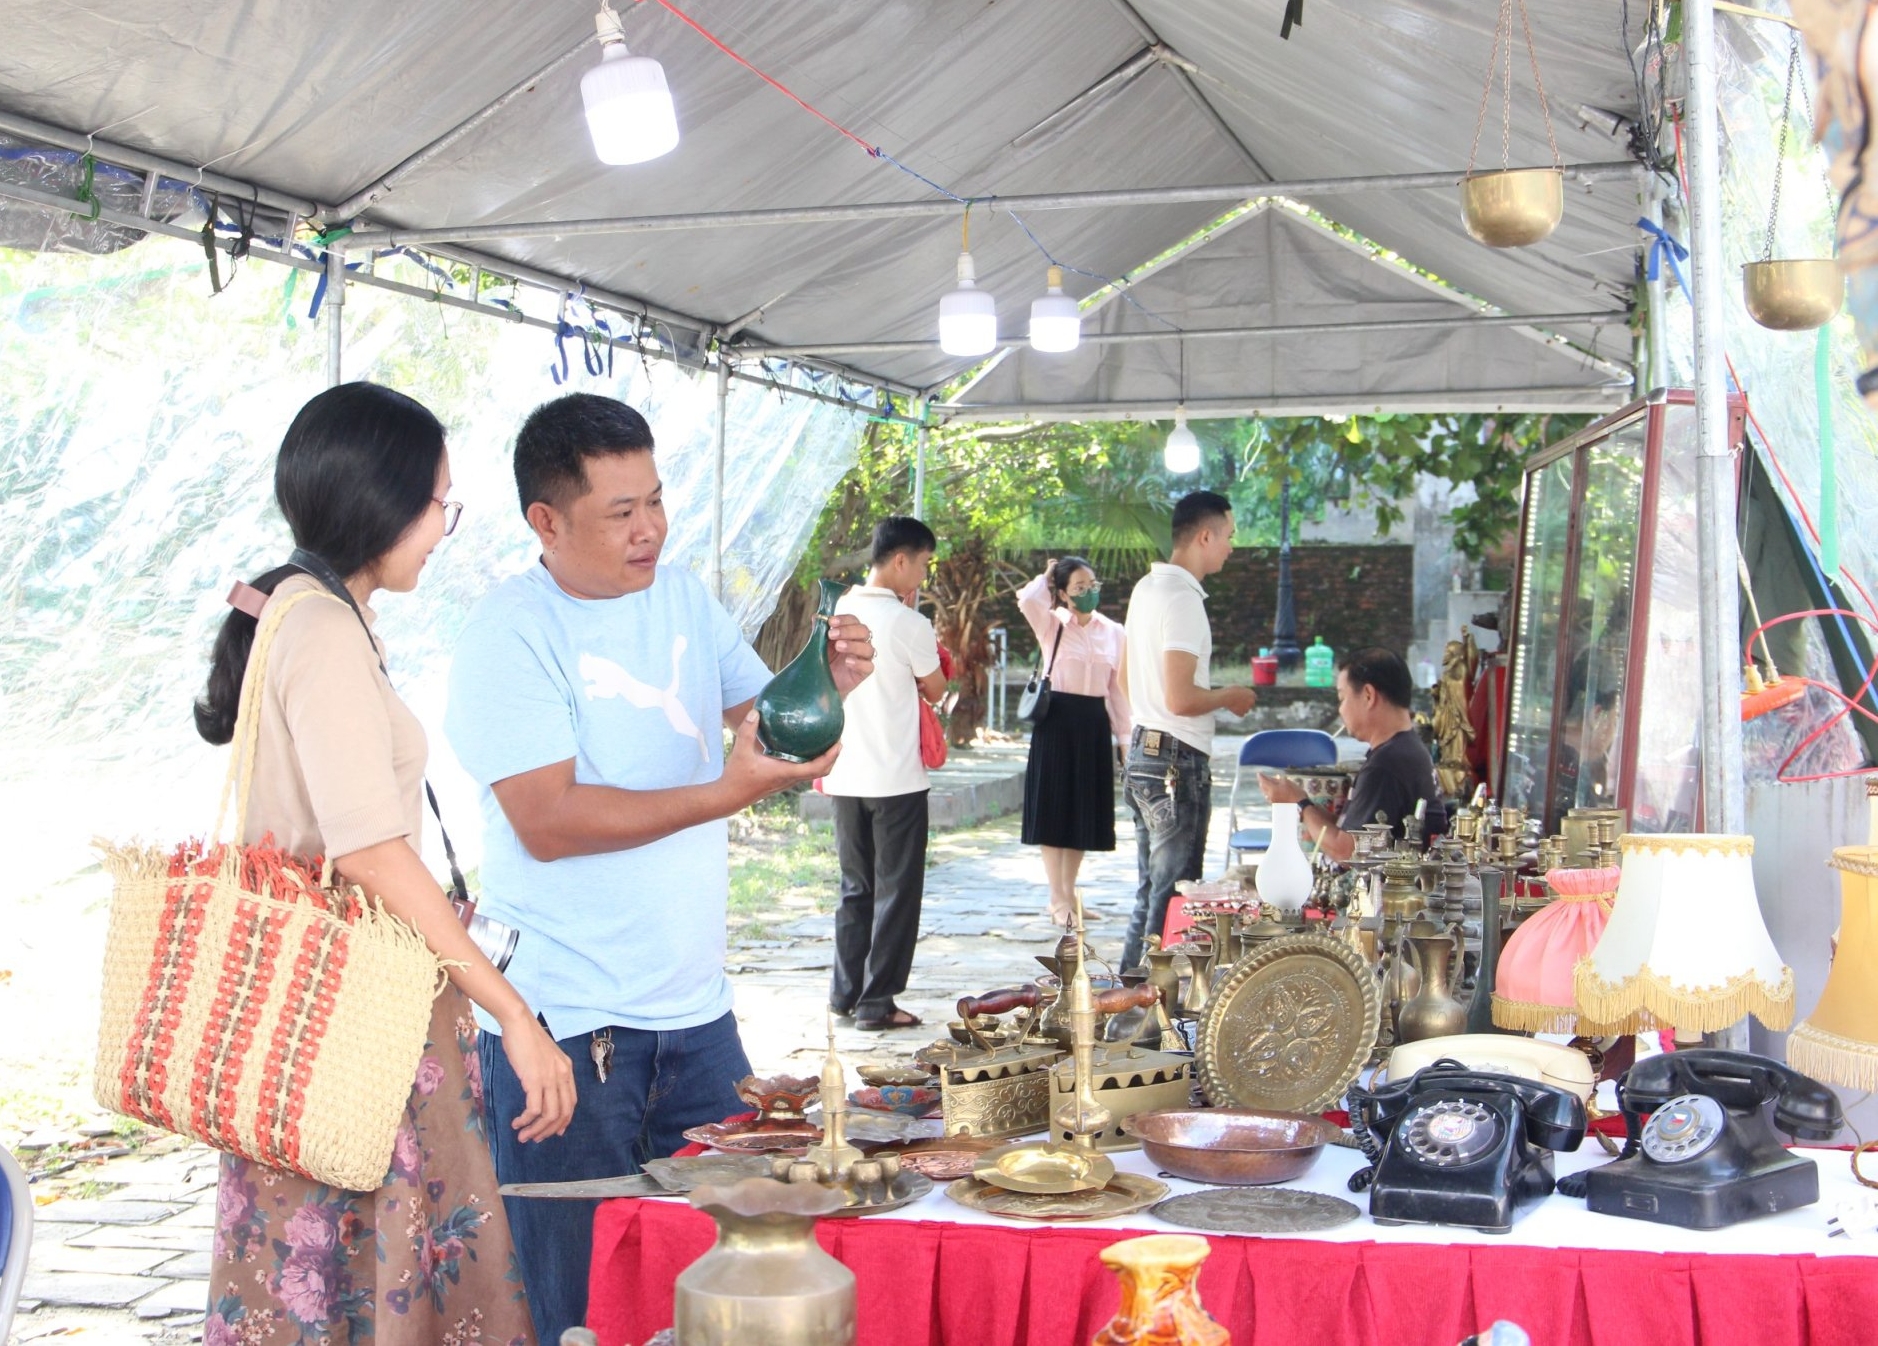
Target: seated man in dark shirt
1373,690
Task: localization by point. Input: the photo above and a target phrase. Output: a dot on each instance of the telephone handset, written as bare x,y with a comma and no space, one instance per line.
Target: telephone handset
1501,1054
1709,1154
1451,1145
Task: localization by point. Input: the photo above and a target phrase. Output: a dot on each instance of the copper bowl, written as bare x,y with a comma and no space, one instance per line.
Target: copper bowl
783,1098
1230,1146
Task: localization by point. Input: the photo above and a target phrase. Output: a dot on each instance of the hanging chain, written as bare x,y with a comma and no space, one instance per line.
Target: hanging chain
1545,108
1503,67
1812,126
1780,151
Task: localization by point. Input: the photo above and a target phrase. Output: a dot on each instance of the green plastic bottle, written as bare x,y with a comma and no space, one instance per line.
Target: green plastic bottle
1320,664
799,715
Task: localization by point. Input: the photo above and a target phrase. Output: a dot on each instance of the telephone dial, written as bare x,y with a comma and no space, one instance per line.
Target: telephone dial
1709,1155
1452,1145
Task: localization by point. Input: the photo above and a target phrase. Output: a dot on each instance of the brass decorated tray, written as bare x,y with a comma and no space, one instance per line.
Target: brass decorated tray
1289,1026
1126,1194
1262,1210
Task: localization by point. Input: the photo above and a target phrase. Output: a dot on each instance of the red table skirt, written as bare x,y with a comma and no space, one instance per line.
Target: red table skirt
926,1283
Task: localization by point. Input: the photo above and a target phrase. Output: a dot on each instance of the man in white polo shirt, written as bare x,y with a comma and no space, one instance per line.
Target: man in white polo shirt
879,784
1167,658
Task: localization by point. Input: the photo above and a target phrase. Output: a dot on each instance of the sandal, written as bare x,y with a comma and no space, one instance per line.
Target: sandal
898,1019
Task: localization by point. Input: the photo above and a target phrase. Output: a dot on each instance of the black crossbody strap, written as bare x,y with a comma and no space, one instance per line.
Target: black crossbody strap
1057,645
316,567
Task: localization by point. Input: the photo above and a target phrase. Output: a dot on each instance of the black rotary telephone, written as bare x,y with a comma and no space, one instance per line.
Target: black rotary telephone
1450,1145
1709,1155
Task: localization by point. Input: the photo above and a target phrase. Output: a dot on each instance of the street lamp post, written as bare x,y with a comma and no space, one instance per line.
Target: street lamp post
1285,622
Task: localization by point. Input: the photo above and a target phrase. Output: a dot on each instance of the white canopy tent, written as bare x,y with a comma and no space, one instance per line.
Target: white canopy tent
1111,130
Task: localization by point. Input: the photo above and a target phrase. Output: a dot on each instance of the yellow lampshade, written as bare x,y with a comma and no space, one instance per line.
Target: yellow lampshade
1838,1041
1685,946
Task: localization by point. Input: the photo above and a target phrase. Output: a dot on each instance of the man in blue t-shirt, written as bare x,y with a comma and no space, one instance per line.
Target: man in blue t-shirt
588,697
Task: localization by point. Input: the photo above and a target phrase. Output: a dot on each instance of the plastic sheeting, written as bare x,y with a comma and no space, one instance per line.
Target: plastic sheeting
1776,368
66,173
138,424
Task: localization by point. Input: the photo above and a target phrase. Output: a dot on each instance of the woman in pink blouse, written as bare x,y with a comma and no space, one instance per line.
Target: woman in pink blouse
1069,785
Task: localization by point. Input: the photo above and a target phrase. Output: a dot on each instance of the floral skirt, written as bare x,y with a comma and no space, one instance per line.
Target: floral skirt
426,1259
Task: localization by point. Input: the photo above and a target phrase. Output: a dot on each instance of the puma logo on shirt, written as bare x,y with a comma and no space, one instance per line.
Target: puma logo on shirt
606,679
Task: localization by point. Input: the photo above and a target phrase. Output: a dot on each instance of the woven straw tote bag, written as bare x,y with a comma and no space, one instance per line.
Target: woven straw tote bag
251,1004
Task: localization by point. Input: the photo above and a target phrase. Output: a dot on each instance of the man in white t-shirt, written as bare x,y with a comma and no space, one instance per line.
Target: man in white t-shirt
1166,661
878,784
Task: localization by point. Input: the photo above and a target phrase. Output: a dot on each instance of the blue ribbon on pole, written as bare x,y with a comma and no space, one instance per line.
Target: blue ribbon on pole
1664,248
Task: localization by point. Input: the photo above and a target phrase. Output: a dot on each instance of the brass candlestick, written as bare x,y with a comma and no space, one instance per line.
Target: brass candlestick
833,1156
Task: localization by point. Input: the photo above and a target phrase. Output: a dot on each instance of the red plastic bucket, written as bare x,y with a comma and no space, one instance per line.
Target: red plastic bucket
1264,670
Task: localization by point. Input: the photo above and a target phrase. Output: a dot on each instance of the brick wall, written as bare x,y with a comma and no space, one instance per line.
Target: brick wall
1349,595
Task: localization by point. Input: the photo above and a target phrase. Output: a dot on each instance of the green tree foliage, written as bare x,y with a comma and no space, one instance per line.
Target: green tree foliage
1100,489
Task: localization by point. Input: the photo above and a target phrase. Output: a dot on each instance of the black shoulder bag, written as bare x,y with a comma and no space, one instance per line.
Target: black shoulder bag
1034,704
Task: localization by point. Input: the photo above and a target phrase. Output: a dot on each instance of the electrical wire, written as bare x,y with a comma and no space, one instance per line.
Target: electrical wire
1848,703
876,152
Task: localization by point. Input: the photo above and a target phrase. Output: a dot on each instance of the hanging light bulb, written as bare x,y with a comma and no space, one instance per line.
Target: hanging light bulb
629,108
968,317
1055,321
1182,454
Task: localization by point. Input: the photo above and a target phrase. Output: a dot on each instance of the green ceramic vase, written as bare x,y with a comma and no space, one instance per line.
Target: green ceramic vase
799,714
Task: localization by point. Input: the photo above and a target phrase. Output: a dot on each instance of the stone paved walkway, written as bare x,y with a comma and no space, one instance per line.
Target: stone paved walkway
124,1259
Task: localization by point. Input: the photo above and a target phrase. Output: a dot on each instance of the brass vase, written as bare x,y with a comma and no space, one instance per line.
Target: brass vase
766,1279
1160,1294
1161,973
799,715
1434,1012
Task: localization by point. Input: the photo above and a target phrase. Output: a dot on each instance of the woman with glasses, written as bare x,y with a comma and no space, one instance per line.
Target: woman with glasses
362,479
1069,785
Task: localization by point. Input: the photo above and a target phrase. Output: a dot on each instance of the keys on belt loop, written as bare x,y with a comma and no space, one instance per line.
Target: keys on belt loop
600,1047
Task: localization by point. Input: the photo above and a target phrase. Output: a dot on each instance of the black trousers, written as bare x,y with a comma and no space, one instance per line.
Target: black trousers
881,844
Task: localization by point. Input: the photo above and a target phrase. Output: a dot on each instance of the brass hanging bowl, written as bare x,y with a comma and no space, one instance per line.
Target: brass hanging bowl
1513,208
1793,294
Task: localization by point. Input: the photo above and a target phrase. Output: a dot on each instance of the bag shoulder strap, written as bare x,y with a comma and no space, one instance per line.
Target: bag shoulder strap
239,782
317,567
1054,647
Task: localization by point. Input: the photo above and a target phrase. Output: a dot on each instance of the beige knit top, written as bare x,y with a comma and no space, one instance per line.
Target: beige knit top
340,764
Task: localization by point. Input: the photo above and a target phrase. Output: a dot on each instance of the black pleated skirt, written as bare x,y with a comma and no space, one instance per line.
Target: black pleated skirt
1069,784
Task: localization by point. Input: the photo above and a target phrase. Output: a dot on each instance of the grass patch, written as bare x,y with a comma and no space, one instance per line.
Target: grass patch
780,869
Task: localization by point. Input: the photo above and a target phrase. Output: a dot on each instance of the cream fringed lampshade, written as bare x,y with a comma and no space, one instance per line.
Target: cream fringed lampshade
1533,987
1838,1041
1685,946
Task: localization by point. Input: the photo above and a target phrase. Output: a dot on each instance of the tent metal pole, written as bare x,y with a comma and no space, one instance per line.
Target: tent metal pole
124,156
335,316
1590,318
370,194
717,479
1306,188
1718,597
1582,397
919,461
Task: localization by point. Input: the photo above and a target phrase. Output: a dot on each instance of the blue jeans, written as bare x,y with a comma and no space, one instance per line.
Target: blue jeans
659,1084
1169,788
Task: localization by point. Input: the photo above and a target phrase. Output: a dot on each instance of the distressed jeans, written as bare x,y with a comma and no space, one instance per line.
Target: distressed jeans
1169,788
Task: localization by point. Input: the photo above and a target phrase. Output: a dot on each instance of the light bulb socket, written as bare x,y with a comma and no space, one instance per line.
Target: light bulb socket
967,273
607,25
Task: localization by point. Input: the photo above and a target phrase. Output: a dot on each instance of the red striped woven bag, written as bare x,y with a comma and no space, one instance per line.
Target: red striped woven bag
253,1005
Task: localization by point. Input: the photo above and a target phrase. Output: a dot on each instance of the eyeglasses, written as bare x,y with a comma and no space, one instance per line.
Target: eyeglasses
452,511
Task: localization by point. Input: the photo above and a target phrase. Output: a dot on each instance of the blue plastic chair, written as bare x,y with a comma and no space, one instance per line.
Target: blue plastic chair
1284,749
16,1237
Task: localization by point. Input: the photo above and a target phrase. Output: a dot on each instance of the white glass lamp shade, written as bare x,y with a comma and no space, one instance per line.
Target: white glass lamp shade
629,108
1055,321
968,317
1182,454
1685,946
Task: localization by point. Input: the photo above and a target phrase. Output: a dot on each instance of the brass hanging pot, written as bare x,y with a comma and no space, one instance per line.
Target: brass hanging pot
1792,294
1513,207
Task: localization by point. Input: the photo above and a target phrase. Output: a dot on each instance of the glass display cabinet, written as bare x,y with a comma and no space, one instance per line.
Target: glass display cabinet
1604,686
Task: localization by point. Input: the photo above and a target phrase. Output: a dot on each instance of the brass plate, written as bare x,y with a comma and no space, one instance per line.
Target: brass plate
1126,1195
755,1137
940,1160
1044,1166
1289,1027
1268,1210
681,1174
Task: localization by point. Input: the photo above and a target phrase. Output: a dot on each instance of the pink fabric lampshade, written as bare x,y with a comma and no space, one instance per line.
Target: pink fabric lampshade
1532,987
